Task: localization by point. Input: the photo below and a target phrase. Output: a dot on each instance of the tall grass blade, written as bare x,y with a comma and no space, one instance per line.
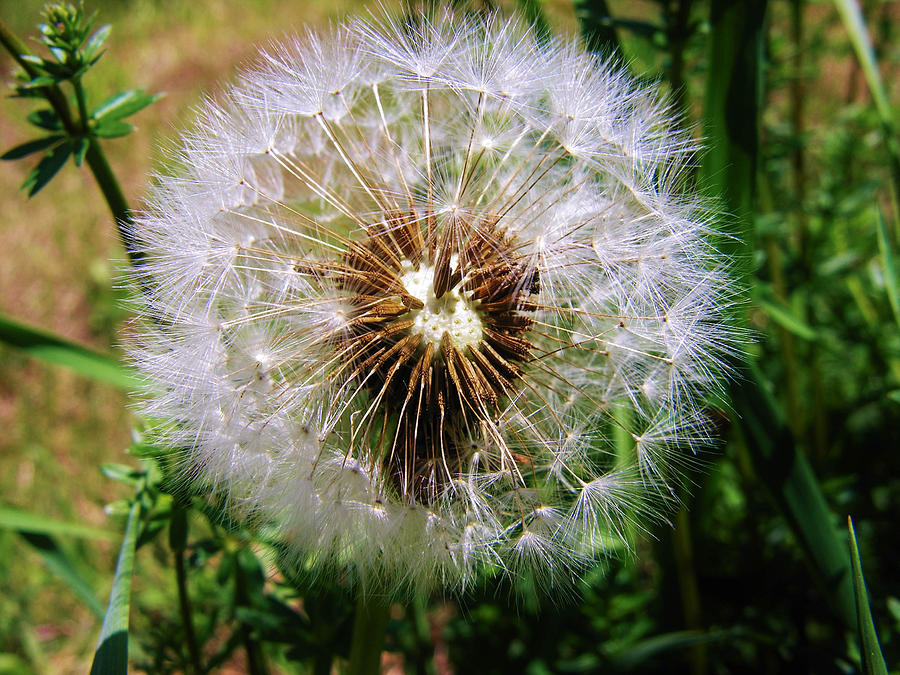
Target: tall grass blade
23,521
855,24
731,115
790,480
869,646
890,269
58,563
59,351
111,657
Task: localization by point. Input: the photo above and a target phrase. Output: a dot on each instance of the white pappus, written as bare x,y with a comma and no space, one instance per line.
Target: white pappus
430,297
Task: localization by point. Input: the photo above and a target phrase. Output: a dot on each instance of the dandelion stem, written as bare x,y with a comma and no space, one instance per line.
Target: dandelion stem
369,627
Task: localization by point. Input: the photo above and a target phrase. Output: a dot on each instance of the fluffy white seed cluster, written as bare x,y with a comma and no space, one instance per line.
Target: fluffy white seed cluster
431,297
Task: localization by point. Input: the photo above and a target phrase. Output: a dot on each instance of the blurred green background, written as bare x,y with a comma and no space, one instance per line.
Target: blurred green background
730,588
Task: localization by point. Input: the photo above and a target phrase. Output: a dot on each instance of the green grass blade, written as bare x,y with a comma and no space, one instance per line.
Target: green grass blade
855,25
23,521
890,270
59,351
111,657
872,658
790,480
638,655
782,314
731,119
58,563
731,115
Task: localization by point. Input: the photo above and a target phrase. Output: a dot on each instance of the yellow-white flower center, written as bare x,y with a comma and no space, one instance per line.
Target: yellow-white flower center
452,313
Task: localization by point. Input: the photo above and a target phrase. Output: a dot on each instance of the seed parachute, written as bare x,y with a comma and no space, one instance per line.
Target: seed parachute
431,299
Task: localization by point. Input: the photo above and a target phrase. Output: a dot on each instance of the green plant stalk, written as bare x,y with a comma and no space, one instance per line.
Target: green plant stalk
177,544
369,628
682,546
256,660
95,157
812,427
184,606
80,99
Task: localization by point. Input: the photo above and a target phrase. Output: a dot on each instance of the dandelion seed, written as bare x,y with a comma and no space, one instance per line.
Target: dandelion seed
401,284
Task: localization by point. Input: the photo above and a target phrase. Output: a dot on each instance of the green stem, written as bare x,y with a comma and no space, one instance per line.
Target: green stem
369,627
115,199
177,541
256,660
683,550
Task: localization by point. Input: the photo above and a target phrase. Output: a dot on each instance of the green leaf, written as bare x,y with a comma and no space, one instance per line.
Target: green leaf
59,351
111,128
31,147
124,104
872,658
23,521
39,81
34,61
787,475
111,657
639,653
731,121
45,118
96,41
890,271
121,473
57,562
782,314
47,168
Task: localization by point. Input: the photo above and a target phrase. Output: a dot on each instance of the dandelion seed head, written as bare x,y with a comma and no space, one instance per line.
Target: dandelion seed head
409,282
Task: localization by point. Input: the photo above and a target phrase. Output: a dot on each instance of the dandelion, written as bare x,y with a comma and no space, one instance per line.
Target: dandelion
432,298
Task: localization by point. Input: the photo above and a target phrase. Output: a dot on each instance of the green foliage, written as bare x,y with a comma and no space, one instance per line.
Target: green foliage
73,49
54,349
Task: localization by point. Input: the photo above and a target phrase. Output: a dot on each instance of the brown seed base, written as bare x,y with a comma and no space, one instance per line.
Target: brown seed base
427,404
